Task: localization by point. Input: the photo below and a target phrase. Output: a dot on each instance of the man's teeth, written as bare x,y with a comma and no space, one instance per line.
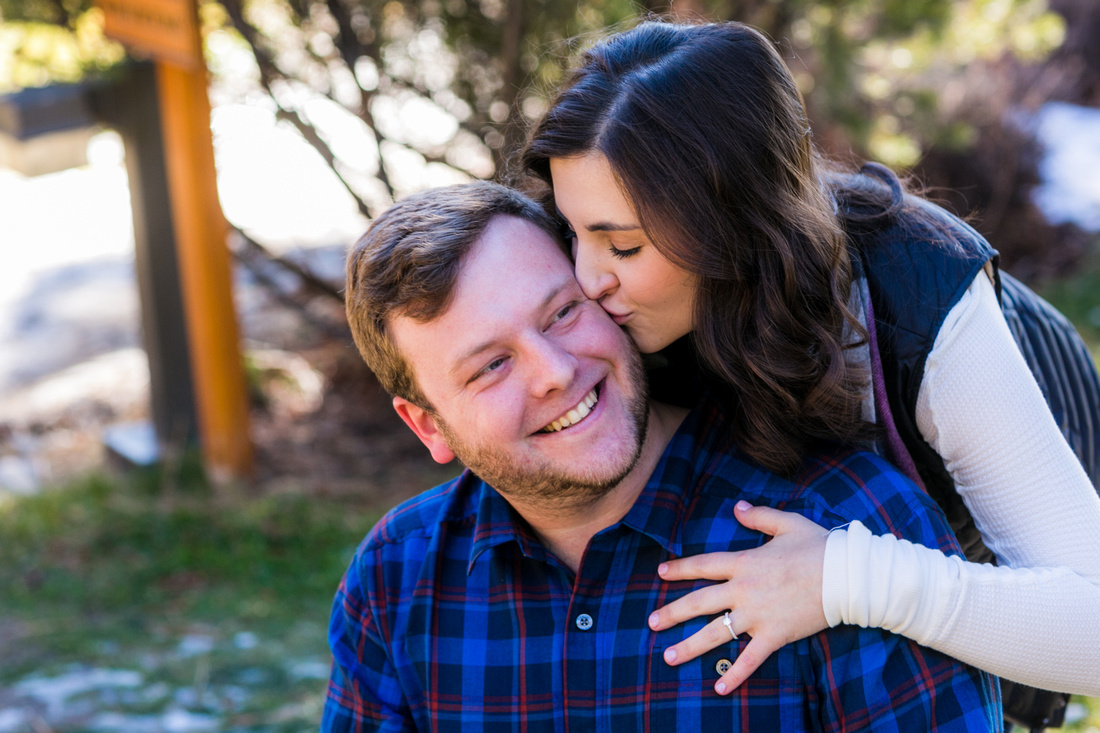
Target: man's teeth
575,415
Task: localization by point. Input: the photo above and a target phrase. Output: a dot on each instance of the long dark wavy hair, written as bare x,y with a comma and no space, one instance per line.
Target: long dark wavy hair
707,134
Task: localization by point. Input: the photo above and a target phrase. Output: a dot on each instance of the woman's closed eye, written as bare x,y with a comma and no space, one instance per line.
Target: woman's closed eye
623,254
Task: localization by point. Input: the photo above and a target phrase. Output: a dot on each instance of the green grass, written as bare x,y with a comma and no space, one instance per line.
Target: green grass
219,601
107,543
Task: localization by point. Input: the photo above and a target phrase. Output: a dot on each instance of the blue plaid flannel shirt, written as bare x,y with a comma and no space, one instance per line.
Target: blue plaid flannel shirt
453,617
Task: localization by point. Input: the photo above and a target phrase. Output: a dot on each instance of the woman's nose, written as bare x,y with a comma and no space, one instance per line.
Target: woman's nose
595,280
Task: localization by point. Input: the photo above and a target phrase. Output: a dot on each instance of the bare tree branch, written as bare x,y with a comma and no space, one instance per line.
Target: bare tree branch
350,50
256,259
309,132
311,281
512,77
269,72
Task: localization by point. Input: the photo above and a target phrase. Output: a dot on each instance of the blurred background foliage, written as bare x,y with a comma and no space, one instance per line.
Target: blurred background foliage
935,87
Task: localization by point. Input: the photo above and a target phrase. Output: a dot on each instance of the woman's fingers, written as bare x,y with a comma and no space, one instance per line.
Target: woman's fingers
702,641
774,591
713,635
719,565
712,566
702,602
770,521
751,657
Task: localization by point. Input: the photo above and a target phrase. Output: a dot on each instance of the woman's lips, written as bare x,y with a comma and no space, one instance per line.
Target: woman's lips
619,319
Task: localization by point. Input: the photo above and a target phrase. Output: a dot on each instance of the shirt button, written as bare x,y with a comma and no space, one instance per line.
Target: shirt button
584,622
723,666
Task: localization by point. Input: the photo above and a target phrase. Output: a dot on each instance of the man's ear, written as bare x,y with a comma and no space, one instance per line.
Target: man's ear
423,424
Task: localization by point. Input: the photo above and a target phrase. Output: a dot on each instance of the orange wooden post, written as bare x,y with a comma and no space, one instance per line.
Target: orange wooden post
168,31
205,272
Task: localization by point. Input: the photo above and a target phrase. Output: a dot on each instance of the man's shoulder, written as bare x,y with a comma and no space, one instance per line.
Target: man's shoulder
853,484
840,476
423,515
834,476
835,485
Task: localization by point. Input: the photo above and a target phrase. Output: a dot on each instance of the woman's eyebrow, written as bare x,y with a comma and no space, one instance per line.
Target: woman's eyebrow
606,226
602,226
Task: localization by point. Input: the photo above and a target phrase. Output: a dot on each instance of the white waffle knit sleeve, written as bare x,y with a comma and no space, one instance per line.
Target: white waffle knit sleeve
1036,617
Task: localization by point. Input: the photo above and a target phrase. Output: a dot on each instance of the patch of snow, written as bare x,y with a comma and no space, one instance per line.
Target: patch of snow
18,476
14,721
234,697
1070,188
1076,712
155,692
55,692
135,441
173,721
204,698
245,640
308,669
182,721
193,645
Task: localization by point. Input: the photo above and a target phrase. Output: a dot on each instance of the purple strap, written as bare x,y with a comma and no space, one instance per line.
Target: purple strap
895,448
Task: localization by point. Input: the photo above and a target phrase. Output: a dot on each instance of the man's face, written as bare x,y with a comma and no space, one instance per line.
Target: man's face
533,386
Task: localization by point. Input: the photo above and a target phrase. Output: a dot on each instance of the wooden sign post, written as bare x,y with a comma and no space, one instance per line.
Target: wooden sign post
168,32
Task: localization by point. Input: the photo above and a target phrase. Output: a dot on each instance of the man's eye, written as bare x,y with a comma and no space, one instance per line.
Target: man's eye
622,254
489,368
564,312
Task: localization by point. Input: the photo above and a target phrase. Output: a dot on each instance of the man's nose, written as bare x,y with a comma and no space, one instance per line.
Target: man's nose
552,367
595,279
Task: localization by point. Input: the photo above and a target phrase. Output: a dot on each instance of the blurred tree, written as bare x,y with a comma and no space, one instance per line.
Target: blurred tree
880,78
450,82
870,70
45,41
451,85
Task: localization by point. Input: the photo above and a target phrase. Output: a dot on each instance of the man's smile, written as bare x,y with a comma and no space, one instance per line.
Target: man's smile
575,415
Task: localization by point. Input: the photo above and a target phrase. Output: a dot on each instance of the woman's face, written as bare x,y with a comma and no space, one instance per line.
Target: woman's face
615,262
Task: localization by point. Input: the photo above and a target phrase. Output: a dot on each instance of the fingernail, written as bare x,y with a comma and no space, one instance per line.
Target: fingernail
662,568
670,656
653,620
742,506
720,688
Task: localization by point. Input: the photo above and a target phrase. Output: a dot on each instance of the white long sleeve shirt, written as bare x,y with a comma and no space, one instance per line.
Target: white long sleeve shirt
1035,617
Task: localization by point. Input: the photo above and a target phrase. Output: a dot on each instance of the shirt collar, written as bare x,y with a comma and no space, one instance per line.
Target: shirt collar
498,524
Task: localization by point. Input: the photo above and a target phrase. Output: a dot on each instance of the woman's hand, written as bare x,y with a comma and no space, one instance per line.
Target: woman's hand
773,592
